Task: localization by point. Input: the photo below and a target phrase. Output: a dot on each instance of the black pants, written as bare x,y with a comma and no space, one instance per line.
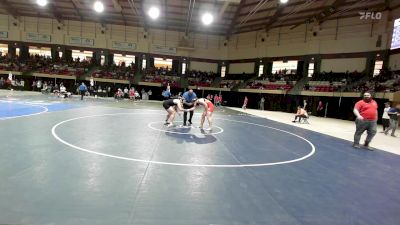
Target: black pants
187,106
385,123
82,94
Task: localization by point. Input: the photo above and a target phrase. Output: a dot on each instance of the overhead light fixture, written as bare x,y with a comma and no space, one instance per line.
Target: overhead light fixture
154,12
98,6
207,19
42,3
283,1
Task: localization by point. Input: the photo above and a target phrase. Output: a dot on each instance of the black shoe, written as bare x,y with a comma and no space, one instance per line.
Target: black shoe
184,124
293,121
190,122
166,124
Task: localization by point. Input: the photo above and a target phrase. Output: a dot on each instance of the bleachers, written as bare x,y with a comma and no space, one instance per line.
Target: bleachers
115,72
268,85
162,76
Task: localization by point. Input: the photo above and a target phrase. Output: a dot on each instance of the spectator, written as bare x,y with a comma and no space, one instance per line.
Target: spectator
245,103
262,103
137,95
34,85
216,99
126,92
320,109
166,94
301,113
82,90
366,111
385,116
132,94
394,114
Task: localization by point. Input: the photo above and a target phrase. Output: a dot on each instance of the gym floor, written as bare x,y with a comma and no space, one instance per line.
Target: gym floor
97,161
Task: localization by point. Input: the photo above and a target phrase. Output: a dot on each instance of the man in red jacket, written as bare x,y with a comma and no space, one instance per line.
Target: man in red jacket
366,111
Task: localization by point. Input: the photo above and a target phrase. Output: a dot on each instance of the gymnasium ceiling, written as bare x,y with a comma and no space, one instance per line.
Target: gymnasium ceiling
231,16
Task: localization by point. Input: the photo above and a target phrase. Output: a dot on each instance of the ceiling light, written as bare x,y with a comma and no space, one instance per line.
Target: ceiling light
284,1
154,12
42,2
207,18
98,6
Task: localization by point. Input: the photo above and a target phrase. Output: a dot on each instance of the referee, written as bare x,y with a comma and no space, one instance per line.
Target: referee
189,98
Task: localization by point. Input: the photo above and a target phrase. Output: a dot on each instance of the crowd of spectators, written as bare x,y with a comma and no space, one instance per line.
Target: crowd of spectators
229,83
385,81
282,75
44,64
200,78
332,81
162,75
268,85
120,72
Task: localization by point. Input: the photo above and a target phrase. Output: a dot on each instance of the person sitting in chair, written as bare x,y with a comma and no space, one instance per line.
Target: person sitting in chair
301,113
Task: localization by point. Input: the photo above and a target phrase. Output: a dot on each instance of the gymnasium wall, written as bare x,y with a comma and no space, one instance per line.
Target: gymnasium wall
343,65
333,36
394,62
238,68
204,66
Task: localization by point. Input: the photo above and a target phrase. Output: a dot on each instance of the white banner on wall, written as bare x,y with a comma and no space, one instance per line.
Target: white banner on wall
204,66
343,65
3,34
123,45
396,35
163,50
238,68
81,41
38,37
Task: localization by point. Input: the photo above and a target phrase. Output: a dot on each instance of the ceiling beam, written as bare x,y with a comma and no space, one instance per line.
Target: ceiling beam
275,16
272,8
323,14
139,13
189,16
76,3
57,15
9,9
118,8
235,17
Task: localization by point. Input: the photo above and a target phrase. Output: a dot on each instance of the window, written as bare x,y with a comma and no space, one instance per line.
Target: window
183,68
127,59
102,60
82,55
310,69
378,67
39,51
3,49
144,64
260,70
223,70
17,51
163,63
287,67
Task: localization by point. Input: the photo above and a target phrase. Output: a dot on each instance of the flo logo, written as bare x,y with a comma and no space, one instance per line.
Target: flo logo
370,15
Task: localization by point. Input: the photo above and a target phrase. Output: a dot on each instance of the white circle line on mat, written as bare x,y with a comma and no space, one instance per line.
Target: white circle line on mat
53,131
45,109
